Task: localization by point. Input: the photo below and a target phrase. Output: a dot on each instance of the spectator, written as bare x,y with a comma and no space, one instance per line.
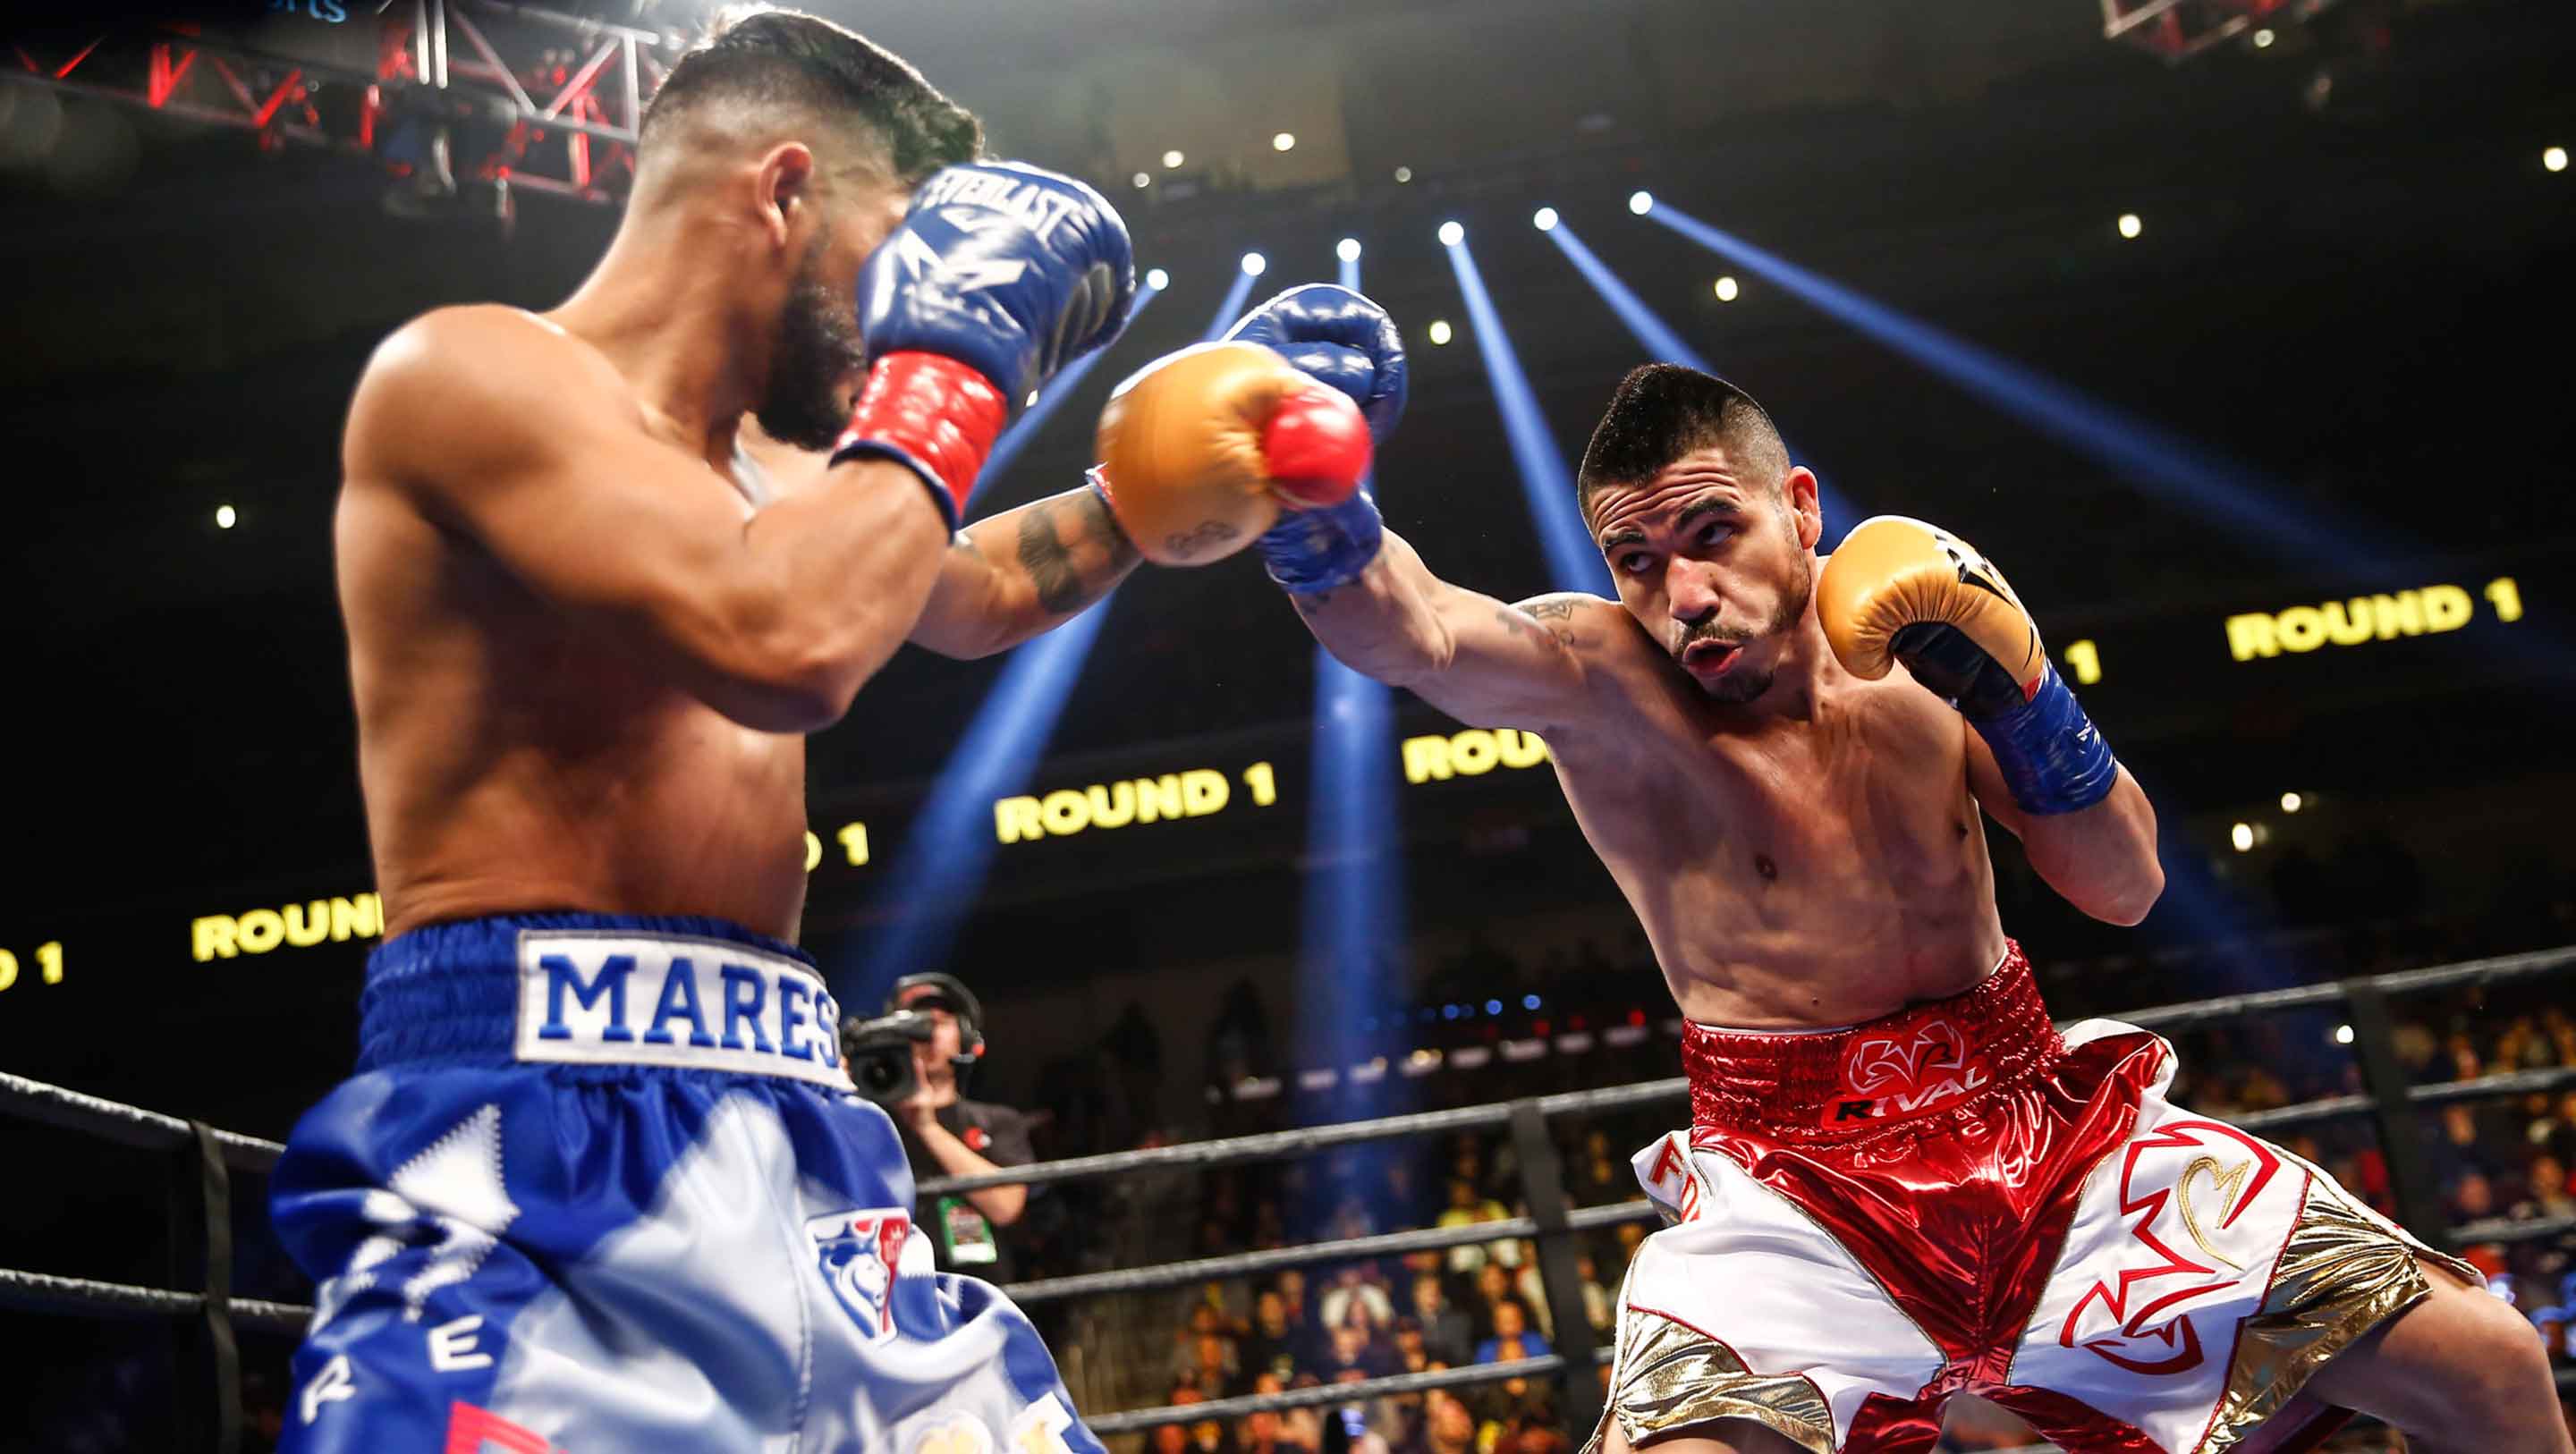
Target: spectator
1513,1337
1272,1346
1354,1287
1264,1432
1448,1428
1466,1208
1351,1352
1599,1308
1446,1334
1175,1438
1212,1369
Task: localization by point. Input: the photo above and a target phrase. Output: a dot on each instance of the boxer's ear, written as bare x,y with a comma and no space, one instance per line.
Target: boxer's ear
782,187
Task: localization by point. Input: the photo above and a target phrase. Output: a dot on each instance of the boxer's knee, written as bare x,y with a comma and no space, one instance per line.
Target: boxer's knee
2459,1370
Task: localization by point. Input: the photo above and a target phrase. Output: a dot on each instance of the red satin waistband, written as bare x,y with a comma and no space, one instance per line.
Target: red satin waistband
1831,1084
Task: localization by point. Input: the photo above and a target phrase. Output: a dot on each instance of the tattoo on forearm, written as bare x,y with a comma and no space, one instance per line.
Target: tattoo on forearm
1073,551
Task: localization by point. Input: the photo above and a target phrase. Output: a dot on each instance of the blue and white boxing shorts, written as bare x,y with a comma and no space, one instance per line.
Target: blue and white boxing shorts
601,1183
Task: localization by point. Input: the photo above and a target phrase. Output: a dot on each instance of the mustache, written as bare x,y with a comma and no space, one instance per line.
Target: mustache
1692,635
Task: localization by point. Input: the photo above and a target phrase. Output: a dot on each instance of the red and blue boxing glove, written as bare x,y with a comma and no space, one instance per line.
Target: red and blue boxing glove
998,276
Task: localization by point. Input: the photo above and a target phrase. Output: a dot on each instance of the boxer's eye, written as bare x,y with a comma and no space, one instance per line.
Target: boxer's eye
1636,562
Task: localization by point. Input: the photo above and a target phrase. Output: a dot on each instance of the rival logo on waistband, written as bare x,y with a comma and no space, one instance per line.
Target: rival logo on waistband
669,999
1913,1069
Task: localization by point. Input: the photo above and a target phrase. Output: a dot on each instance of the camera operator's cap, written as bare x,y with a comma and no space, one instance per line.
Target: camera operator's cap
932,989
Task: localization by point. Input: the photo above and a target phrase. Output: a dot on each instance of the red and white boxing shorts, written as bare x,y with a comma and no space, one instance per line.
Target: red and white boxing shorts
1957,1198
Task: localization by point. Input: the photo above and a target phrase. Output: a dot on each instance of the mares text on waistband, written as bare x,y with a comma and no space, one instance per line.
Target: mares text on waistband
670,999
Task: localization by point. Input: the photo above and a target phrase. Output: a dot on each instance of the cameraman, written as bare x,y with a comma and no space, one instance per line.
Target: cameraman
945,1134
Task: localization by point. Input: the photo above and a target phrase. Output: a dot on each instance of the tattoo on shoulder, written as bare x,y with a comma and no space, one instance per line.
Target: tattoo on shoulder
1552,608
1073,551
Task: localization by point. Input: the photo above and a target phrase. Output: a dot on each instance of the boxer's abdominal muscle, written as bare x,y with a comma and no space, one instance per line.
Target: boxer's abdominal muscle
510,764
1800,874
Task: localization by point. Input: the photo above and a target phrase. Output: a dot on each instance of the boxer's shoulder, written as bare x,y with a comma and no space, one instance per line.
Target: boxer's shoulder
476,348
465,393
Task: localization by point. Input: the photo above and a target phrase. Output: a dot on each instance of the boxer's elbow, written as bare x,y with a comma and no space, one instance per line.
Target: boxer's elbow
2128,902
785,671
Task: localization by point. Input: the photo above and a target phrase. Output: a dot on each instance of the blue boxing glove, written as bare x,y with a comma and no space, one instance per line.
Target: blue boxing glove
1342,338
999,275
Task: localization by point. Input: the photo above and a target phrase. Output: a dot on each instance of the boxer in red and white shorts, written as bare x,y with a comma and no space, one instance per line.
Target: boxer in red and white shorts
1957,1197
1901,1184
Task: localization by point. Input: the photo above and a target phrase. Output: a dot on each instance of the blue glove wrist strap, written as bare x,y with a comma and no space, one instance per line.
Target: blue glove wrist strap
1318,550
2051,756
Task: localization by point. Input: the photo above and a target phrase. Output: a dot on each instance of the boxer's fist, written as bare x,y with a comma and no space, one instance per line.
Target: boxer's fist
1340,337
1202,450
1903,590
1009,269
998,276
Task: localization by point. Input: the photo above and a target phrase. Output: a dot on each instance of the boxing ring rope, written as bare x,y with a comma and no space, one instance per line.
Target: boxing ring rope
205,1155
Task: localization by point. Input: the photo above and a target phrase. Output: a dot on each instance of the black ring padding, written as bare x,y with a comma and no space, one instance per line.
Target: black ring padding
2398,982
1235,1264
2499,1229
215,1201
36,1101
45,1292
1326,1393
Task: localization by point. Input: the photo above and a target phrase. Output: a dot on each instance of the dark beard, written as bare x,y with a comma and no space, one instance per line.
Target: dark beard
1739,687
818,348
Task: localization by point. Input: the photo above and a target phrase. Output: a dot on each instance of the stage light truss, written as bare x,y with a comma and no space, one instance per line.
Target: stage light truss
2180,29
545,102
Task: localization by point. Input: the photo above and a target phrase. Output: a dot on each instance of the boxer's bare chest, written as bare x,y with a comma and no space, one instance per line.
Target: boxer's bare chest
1819,870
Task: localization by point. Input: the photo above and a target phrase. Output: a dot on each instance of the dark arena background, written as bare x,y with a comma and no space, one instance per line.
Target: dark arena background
2236,331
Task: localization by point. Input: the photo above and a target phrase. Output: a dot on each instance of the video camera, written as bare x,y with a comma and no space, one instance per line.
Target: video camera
878,1053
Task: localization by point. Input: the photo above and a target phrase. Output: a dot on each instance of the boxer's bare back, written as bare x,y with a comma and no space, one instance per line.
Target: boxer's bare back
584,668
1807,856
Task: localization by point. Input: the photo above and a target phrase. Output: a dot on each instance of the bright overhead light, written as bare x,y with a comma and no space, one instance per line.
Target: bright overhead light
2343,1034
2292,802
2263,39
1641,203
1284,141
2555,159
1439,330
1254,263
2130,226
225,517
1158,280
1404,174
1031,401
1172,159
1451,234
1144,179
1727,290
1348,249
1544,219
2242,835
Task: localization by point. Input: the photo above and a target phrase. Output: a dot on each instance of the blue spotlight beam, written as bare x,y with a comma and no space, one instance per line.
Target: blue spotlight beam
949,850
1573,561
1352,904
1661,341
2149,457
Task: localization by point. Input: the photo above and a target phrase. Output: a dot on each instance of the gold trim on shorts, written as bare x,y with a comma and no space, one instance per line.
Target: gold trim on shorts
2341,1274
1671,1377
